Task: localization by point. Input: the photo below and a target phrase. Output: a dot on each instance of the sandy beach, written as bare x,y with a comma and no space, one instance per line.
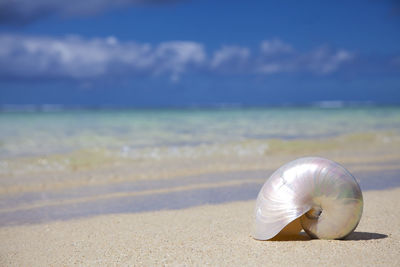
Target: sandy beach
204,235
133,197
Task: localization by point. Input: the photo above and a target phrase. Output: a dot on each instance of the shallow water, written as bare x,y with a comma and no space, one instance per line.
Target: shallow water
71,164
144,133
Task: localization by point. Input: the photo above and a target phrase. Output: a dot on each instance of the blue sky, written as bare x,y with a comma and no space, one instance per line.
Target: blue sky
182,53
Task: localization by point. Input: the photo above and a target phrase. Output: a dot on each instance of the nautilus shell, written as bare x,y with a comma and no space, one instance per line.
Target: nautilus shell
312,193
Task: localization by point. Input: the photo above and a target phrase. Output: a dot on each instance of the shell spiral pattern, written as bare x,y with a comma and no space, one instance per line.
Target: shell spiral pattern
324,197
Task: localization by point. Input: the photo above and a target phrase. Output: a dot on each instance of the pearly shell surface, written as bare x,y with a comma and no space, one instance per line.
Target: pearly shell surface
322,193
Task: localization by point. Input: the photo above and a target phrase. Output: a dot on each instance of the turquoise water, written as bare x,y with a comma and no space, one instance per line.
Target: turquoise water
71,164
33,134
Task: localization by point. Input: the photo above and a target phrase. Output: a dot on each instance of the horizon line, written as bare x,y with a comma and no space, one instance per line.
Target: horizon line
334,104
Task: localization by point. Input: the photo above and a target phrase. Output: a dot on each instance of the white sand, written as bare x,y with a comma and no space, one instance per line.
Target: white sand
214,235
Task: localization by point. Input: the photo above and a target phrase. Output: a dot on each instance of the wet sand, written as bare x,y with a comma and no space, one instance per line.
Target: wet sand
153,195
209,234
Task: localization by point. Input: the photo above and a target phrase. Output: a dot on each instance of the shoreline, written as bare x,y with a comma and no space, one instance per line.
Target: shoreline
153,195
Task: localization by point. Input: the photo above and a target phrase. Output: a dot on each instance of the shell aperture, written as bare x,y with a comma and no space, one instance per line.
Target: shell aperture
322,194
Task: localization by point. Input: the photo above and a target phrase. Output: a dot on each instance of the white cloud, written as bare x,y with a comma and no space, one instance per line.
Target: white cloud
319,61
175,57
324,60
274,47
73,57
230,56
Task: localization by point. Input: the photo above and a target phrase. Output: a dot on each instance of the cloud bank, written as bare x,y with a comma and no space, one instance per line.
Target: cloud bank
73,57
23,57
24,11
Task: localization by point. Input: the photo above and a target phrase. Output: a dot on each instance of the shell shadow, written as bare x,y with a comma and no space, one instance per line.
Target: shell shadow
355,236
299,237
358,236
